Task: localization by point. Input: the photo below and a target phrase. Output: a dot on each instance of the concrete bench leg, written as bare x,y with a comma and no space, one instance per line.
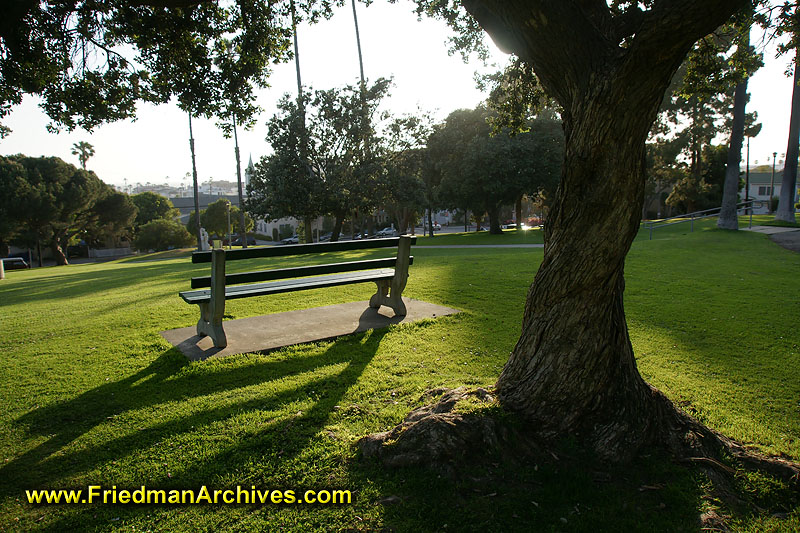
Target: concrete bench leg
390,293
213,328
379,297
210,322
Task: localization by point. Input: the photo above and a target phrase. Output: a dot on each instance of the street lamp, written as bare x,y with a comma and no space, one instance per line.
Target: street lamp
747,176
772,182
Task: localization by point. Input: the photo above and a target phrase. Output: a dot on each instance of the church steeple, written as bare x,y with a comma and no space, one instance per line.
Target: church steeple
248,172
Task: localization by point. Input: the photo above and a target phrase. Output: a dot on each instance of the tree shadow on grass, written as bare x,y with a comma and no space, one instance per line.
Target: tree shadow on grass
163,381
77,283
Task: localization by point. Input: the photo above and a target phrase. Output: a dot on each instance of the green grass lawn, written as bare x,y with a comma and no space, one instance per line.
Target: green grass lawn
92,394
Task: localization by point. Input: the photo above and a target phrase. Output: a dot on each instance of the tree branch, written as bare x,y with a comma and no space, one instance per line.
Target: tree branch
668,31
170,4
556,38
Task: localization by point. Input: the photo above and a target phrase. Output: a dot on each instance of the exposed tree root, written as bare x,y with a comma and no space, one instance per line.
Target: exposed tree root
690,441
442,435
439,436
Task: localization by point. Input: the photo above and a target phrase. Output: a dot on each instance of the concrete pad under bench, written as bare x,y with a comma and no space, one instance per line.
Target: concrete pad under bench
269,332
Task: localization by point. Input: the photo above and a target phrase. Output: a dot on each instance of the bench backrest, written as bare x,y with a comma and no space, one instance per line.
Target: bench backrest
301,249
403,259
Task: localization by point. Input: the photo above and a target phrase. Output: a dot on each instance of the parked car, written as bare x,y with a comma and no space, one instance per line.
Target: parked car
251,241
15,263
325,237
436,227
387,232
291,240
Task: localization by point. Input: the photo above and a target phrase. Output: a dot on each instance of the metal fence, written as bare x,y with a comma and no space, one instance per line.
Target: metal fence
98,253
697,215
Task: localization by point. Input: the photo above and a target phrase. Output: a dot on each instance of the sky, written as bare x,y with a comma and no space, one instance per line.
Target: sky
155,147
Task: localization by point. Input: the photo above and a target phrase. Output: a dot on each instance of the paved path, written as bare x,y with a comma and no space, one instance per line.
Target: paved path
788,238
770,230
423,246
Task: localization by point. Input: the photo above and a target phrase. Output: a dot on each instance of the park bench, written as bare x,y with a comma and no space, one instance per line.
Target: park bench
389,274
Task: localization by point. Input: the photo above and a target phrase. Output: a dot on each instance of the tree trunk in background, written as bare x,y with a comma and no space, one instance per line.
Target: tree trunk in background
494,221
197,227
337,226
242,220
466,220
728,218
786,208
58,251
430,222
518,211
309,237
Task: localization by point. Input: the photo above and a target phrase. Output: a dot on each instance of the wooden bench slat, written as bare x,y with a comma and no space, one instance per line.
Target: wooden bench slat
296,272
277,287
300,249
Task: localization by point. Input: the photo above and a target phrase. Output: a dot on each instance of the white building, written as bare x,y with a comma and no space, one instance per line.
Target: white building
760,190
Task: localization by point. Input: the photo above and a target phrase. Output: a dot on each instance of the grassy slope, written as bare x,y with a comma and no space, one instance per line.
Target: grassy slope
92,394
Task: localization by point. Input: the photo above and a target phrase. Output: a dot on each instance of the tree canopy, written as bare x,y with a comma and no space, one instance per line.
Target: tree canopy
318,165
152,206
48,198
482,172
90,62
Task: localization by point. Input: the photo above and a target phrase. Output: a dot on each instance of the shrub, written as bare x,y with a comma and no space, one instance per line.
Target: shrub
162,234
285,230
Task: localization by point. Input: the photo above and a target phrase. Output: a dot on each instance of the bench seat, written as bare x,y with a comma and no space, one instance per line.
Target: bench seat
289,285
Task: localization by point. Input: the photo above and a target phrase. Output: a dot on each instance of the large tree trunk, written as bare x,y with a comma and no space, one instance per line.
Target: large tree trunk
518,211
572,371
786,209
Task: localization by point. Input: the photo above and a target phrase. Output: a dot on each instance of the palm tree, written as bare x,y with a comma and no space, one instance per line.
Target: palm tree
301,108
84,151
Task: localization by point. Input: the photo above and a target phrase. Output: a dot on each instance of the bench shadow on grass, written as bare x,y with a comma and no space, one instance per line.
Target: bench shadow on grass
47,465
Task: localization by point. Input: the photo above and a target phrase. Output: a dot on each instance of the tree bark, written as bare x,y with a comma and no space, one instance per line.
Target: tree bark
518,212
573,371
430,222
786,208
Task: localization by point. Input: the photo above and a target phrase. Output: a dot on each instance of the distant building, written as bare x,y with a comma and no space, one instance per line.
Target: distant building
760,190
186,204
164,189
